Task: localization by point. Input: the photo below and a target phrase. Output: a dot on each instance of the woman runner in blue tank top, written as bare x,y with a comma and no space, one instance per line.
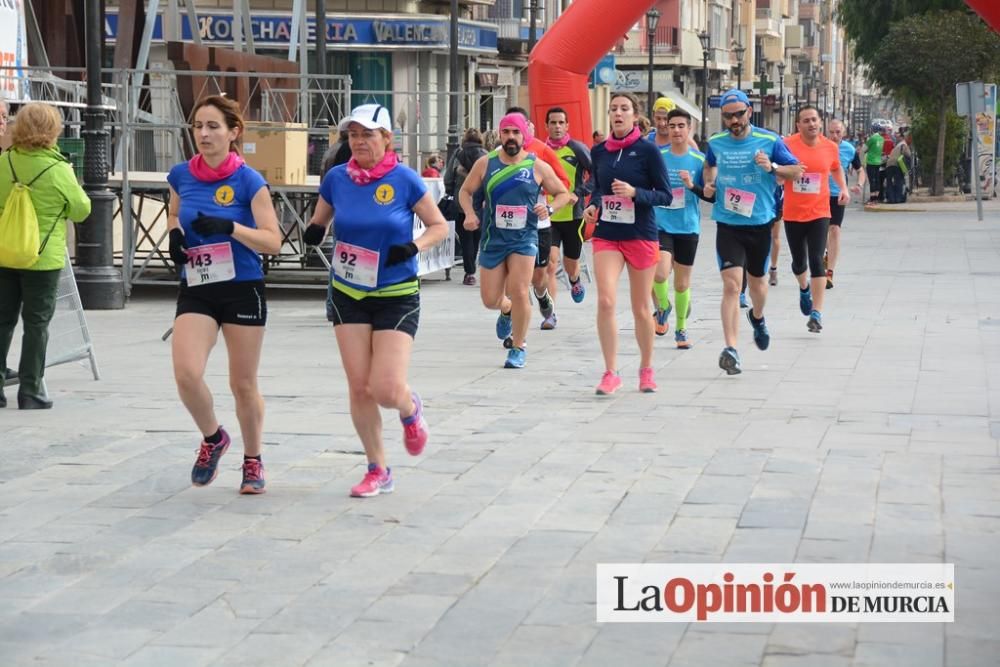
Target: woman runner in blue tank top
375,295
219,218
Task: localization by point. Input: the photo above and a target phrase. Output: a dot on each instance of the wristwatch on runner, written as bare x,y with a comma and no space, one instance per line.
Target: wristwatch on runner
774,167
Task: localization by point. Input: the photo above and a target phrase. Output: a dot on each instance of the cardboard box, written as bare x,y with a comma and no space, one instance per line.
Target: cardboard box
279,151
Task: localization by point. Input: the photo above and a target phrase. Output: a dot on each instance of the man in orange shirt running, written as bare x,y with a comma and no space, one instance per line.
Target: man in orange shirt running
807,210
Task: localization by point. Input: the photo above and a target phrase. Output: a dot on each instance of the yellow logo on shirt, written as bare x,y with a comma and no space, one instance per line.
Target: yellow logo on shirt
224,195
384,194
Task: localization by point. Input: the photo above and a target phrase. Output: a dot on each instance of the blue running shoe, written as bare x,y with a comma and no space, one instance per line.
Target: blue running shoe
505,325
743,300
815,323
805,301
577,291
681,338
729,361
662,324
206,467
515,358
761,337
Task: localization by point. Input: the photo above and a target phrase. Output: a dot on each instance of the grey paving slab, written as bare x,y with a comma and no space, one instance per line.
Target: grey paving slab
877,441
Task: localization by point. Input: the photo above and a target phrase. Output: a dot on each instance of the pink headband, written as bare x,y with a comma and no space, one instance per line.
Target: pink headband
518,121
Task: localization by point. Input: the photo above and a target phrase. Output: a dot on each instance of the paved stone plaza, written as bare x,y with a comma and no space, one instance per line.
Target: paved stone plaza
874,441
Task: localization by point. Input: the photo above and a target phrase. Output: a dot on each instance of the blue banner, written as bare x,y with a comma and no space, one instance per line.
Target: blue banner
341,31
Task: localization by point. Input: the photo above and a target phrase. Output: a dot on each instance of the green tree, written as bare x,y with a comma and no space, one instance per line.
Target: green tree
867,22
925,140
924,56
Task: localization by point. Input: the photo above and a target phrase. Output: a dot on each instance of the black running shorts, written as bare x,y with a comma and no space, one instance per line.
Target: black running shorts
544,246
683,247
241,303
569,236
836,212
744,246
383,313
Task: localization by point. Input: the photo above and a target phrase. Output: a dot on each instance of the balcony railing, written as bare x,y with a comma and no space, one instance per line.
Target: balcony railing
665,42
507,28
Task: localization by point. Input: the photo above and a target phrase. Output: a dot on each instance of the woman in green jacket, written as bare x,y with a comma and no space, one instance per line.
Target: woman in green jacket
31,292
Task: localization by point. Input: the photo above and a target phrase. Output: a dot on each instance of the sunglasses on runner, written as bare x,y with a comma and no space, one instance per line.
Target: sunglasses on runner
729,115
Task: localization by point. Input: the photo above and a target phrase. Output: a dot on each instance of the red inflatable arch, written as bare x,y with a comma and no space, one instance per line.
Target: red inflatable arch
561,62
989,10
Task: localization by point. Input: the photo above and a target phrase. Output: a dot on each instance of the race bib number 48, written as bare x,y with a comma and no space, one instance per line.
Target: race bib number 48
212,263
356,264
511,217
739,202
618,209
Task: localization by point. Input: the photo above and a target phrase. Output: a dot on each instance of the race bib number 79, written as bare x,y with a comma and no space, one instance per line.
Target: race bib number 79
739,202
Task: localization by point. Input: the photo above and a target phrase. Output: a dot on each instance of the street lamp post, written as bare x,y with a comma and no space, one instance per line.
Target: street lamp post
101,285
764,87
652,19
453,88
795,108
739,49
836,91
781,97
706,42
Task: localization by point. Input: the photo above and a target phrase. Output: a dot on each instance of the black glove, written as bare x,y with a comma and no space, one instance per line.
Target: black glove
401,253
177,247
207,225
314,234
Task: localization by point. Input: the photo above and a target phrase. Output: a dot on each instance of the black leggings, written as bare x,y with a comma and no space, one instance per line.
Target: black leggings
470,243
807,240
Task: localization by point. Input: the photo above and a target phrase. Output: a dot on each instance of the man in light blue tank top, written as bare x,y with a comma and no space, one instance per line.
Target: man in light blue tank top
849,159
512,180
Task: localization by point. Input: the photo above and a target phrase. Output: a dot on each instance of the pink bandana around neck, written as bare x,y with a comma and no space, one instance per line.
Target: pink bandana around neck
362,176
207,174
558,143
613,143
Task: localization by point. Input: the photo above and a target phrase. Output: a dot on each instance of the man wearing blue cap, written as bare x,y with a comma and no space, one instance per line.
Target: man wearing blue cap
742,164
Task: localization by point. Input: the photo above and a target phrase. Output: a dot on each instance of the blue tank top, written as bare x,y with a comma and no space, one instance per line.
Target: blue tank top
230,199
367,220
511,194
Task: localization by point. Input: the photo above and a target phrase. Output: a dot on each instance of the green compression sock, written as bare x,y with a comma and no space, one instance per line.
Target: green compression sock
683,301
662,292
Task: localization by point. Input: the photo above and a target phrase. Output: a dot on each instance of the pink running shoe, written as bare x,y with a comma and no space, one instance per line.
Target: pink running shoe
375,481
610,383
415,429
647,384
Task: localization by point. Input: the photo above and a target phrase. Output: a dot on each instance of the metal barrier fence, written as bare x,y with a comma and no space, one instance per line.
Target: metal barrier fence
148,123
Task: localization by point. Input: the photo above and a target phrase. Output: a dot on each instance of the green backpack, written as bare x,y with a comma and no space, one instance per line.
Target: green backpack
19,247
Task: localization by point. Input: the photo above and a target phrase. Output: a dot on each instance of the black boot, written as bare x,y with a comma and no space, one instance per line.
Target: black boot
3,399
32,402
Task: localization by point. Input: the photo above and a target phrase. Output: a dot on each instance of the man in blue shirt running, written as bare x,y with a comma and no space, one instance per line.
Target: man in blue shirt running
742,164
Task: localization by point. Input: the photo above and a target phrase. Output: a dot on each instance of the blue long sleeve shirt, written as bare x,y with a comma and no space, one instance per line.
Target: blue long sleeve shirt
641,166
